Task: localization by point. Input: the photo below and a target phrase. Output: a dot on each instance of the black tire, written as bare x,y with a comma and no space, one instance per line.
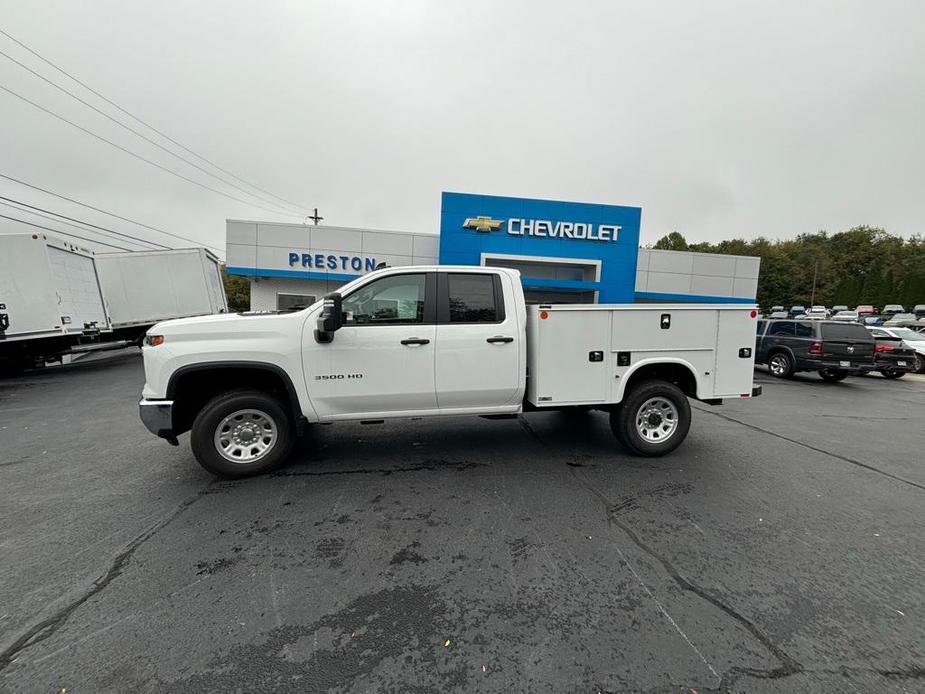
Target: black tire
780,365
625,421
833,375
888,373
919,364
268,409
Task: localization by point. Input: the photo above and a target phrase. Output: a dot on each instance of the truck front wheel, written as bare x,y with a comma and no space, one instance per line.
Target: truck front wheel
653,419
241,433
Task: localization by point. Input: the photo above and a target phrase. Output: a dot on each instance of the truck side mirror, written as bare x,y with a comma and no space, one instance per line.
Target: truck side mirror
331,319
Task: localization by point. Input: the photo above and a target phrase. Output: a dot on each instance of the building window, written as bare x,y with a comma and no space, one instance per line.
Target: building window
568,270
393,300
472,298
293,302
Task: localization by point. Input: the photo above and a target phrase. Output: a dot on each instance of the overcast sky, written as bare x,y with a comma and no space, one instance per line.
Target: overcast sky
719,119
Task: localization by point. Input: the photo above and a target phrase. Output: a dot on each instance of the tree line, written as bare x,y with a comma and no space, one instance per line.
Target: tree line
863,265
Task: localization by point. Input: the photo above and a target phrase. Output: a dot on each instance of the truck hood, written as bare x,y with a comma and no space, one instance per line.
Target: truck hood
242,322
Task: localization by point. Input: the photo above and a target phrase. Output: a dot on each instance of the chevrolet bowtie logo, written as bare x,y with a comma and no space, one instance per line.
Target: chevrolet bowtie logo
482,223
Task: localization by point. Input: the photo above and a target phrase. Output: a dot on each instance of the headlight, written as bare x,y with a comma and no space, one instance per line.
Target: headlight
153,340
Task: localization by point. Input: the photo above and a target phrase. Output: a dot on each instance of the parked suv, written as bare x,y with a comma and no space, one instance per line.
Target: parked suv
834,349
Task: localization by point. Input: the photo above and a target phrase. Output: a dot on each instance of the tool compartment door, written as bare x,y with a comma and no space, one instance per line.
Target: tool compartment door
563,372
734,373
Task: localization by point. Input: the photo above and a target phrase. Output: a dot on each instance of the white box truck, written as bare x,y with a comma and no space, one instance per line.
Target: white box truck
50,298
142,288
437,341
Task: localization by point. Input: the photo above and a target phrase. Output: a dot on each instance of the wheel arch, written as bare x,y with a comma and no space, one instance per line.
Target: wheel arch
191,387
671,369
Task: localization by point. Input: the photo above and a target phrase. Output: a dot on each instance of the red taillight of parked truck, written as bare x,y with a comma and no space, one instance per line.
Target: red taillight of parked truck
880,347
816,349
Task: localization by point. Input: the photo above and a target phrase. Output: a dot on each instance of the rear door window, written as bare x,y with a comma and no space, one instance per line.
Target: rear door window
473,298
845,331
803,329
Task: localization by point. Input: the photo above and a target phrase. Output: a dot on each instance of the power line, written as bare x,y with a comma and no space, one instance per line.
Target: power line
80,221
143,136
147,125
58,221
106,212
63,233
131,153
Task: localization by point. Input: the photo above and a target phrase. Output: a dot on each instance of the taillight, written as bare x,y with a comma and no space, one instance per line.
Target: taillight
816,349
880,347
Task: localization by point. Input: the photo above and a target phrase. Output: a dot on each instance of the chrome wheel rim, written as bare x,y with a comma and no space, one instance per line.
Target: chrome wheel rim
657,419
777,365
245,436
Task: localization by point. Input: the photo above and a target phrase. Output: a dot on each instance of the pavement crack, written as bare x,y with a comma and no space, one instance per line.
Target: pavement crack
916,672
788,665
47,627
837,456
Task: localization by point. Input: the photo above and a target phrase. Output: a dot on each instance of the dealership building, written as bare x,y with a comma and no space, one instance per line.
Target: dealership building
565,251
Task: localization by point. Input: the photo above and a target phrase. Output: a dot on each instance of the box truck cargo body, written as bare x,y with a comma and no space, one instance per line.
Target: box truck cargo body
145,287
50,299
49,288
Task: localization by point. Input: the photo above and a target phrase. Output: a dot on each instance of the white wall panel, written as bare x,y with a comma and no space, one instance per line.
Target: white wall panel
747,268
284,236
671,261
715,265
426,245
382,242
745,288
669,283
240,232
335,237
711,286
238,255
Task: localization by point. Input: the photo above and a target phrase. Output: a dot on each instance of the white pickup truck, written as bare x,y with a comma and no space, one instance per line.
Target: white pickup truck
437,341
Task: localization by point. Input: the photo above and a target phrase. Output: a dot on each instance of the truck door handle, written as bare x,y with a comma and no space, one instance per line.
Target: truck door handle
415,341
499,338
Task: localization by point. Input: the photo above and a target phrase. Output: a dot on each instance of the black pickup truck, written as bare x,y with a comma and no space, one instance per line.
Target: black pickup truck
835,350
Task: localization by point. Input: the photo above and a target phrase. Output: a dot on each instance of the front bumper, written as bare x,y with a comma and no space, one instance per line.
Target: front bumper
157,416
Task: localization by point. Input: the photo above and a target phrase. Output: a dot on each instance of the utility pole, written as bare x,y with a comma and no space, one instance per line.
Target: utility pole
314,217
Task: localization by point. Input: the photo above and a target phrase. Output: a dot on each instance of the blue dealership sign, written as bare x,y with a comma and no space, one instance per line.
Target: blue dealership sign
476,228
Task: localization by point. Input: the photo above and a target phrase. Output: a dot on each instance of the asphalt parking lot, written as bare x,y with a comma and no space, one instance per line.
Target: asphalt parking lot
780,549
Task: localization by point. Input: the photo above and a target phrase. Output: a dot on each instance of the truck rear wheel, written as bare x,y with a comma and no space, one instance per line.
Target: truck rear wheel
780,365
241,433
653,419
